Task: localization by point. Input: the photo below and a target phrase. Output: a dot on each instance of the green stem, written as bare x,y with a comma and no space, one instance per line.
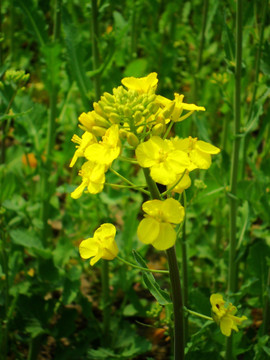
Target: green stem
198,314
184,267
105,300
95,51
233,268
4,263
256,83
45,183
142,268
176,291
266,307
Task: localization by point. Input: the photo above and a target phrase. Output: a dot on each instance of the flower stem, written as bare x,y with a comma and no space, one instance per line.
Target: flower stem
198,314
176,291
257,69
105,300
233,268
266,307
142,268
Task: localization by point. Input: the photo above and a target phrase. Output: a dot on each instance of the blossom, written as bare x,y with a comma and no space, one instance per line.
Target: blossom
183,184
224,316
179,106
86,140
106,150
101,246
199,152
157,226
163,159
93,177
141,85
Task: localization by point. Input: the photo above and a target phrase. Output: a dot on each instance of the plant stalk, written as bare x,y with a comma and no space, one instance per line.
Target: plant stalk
184,269
176,291
95,51
233,268
266,307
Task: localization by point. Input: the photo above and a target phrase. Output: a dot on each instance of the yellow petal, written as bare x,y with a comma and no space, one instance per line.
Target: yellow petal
148,230
200,159
142,85
163,174
88,248
173,211
166,237
206,147
152,207
77,193
226,325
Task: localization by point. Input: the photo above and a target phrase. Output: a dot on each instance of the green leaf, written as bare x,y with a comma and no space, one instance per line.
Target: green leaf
25,238
162,297
51,53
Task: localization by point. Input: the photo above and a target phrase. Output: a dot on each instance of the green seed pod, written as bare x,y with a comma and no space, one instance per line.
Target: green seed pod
132,139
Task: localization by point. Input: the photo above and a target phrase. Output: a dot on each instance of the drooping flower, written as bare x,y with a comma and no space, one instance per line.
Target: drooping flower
101,246
107,150
157,226
141,85
86,140
93,178
199,151
224,316
165,161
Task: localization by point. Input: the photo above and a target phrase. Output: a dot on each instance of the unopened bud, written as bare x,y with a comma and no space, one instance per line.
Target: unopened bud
114,118
137,116
132,139
158,129
110,98
123,134
100,121
98,131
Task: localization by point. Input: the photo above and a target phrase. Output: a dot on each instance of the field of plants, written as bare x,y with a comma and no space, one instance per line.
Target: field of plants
135,180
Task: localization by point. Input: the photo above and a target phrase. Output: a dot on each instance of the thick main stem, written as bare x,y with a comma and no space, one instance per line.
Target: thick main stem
233,268
176,291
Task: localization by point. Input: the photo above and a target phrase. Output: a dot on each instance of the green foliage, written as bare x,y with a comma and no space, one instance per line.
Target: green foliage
50,299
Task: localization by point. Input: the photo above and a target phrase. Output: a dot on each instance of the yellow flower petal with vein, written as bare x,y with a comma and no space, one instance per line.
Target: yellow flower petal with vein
166,237
206,147
148,230
142,85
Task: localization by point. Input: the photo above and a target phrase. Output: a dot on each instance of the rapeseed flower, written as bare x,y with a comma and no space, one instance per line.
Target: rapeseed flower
93,178
101,246
164,160
224,316
199,152
157,227
86,140
107,150
141,85
182,185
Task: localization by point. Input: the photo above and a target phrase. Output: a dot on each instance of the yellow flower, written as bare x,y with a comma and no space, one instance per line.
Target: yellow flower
156,228
183,184
199,151
224,316
141,85
179,107
93,177
165,161
86,140
106,150
101,246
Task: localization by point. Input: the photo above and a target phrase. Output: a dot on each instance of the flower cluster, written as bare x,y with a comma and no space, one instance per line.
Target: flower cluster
135,117
225,316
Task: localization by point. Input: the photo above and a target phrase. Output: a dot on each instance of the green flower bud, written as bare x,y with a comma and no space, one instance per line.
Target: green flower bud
123,134
110,98
98,131
158,129
114,118
137,116
98,109
127,112
132,139
100,121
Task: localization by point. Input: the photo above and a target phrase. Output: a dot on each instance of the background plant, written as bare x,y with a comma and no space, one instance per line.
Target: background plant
44,276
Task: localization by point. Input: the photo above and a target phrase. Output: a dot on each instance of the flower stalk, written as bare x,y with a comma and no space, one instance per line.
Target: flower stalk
233,268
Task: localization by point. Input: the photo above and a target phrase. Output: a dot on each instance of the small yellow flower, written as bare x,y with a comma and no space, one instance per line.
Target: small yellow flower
107,150
199,152
86,140
179,107
101,246
141,85
183,184
163,159
224,316
93,177
157,226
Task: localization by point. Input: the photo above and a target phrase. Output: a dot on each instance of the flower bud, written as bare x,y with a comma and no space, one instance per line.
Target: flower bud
98,131
158,129
132,139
